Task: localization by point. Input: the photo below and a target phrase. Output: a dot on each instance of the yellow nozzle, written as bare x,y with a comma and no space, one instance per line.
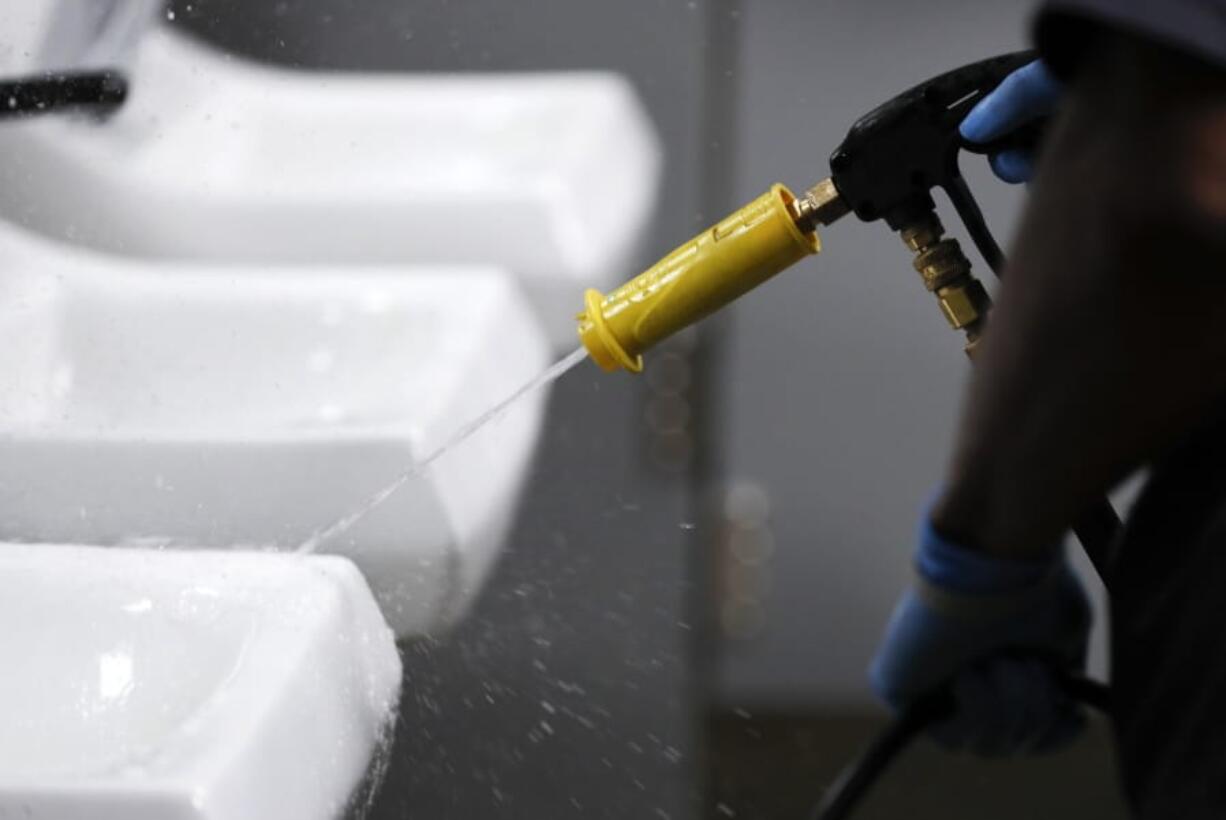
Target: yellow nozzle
694,281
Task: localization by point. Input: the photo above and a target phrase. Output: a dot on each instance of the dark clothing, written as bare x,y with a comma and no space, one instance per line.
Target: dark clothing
1197,27
1168,583
1168,603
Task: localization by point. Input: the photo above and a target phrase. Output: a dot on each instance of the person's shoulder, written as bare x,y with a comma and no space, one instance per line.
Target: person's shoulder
1063,28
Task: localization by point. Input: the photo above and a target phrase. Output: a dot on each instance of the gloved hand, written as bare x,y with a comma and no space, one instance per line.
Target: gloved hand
966,609
1026,95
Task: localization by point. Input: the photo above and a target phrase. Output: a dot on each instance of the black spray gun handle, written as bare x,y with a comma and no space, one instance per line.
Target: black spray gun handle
893,156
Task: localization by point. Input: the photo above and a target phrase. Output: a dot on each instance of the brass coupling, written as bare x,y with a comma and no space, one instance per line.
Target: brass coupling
941,264
946,273
964,305
820,205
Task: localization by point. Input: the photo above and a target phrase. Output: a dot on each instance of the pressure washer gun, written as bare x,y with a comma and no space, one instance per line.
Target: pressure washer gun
885,168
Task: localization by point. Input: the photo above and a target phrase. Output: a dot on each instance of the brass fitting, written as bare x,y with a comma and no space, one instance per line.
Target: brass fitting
941,264
947,274
820,205
923,234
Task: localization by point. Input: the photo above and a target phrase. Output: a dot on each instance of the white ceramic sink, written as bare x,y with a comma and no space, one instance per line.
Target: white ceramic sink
252,406
552,176
57,35
142,684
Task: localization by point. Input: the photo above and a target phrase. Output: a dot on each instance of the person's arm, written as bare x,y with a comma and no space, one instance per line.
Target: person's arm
1108,341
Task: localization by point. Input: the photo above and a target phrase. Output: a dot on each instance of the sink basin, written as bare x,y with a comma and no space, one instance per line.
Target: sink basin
254,406
552,176
170,684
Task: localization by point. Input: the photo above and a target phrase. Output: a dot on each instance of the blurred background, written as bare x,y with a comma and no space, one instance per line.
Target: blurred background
705,555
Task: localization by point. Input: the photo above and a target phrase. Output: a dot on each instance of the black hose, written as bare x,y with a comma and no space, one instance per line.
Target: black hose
1096,528
101,91
972,217
849,788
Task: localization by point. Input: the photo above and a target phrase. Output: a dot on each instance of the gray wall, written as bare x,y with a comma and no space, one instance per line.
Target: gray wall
842,380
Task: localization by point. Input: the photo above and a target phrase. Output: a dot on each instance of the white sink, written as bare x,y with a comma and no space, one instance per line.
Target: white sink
167,685
253,406
552,176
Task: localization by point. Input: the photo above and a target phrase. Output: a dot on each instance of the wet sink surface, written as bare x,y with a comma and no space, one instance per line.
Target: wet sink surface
187,684
248,406
105,690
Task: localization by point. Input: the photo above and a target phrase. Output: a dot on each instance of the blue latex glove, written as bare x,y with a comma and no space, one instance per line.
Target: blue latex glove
1025,95
953,625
